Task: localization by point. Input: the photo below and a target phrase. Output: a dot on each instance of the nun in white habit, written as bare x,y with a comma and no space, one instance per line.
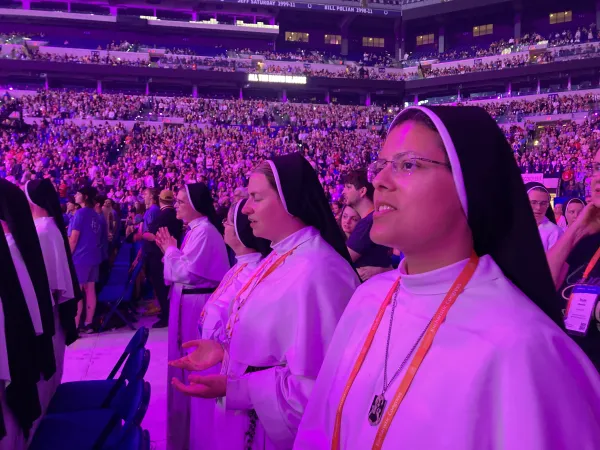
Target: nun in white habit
249,251
539,199
19,401
283,318
28,322
460,348
194,271
66,292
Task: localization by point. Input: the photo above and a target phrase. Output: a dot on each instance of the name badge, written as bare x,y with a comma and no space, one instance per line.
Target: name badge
581,308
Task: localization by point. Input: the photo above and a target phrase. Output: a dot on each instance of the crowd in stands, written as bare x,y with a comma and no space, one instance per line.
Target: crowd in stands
371,66
227,138
558,39
80,105
558,104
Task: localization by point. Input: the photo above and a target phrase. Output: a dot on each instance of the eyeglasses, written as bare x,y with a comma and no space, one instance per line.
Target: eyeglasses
543,204
402,163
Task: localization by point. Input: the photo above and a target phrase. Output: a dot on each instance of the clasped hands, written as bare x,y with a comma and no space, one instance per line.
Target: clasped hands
207,354
164,239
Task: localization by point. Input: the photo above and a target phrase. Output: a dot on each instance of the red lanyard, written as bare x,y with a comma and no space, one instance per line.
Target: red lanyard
438,318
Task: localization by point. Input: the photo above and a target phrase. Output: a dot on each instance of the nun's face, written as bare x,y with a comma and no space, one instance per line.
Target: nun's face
539,200
229,236
184,208
264,208
416,206
573,211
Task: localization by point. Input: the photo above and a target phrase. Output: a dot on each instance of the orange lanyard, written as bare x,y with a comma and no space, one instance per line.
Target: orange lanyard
432,329
586,274
591,265
222,287
260,274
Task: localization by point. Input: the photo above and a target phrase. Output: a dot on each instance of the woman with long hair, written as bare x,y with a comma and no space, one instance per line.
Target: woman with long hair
348,218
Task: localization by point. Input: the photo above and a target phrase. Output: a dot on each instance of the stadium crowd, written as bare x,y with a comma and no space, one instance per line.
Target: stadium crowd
227,138
88,105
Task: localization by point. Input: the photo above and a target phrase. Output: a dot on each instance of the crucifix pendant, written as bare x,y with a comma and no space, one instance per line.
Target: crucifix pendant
376,410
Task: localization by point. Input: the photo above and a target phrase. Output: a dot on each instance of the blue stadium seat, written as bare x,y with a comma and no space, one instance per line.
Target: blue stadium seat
99,429
99,394
134,438
115,293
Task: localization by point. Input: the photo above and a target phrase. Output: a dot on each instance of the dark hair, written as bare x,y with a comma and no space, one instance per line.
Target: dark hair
90,194
359,179
154,193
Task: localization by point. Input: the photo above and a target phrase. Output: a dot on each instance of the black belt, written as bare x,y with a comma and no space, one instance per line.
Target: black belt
252,369
198,291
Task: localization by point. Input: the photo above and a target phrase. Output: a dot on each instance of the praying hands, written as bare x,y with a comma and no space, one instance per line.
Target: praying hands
164,240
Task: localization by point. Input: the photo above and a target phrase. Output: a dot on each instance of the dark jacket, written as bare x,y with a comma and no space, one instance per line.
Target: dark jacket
166,218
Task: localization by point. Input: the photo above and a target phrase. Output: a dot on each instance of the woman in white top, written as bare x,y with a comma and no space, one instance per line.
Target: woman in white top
249,251
283,318
66,292
539,199
460,348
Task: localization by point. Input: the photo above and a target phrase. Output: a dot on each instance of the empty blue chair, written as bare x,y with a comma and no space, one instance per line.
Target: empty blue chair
99,429
115,294
99,394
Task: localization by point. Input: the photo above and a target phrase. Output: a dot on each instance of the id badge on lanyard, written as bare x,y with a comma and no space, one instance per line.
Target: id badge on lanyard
580,309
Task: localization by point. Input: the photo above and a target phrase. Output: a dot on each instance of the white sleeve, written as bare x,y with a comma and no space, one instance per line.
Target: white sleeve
186,268
546,395
554,236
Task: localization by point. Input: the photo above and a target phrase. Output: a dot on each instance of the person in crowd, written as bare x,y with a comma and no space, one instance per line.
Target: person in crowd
249,251
369,258
273,348
195,271
348,219
104,268
539,199
27,318
575,269
158,208
461,347
85,233
559,217
336,209
240,193
66,292
71,210
112,220
573,208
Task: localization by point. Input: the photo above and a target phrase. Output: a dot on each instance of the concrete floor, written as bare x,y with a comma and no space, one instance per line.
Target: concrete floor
93,356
